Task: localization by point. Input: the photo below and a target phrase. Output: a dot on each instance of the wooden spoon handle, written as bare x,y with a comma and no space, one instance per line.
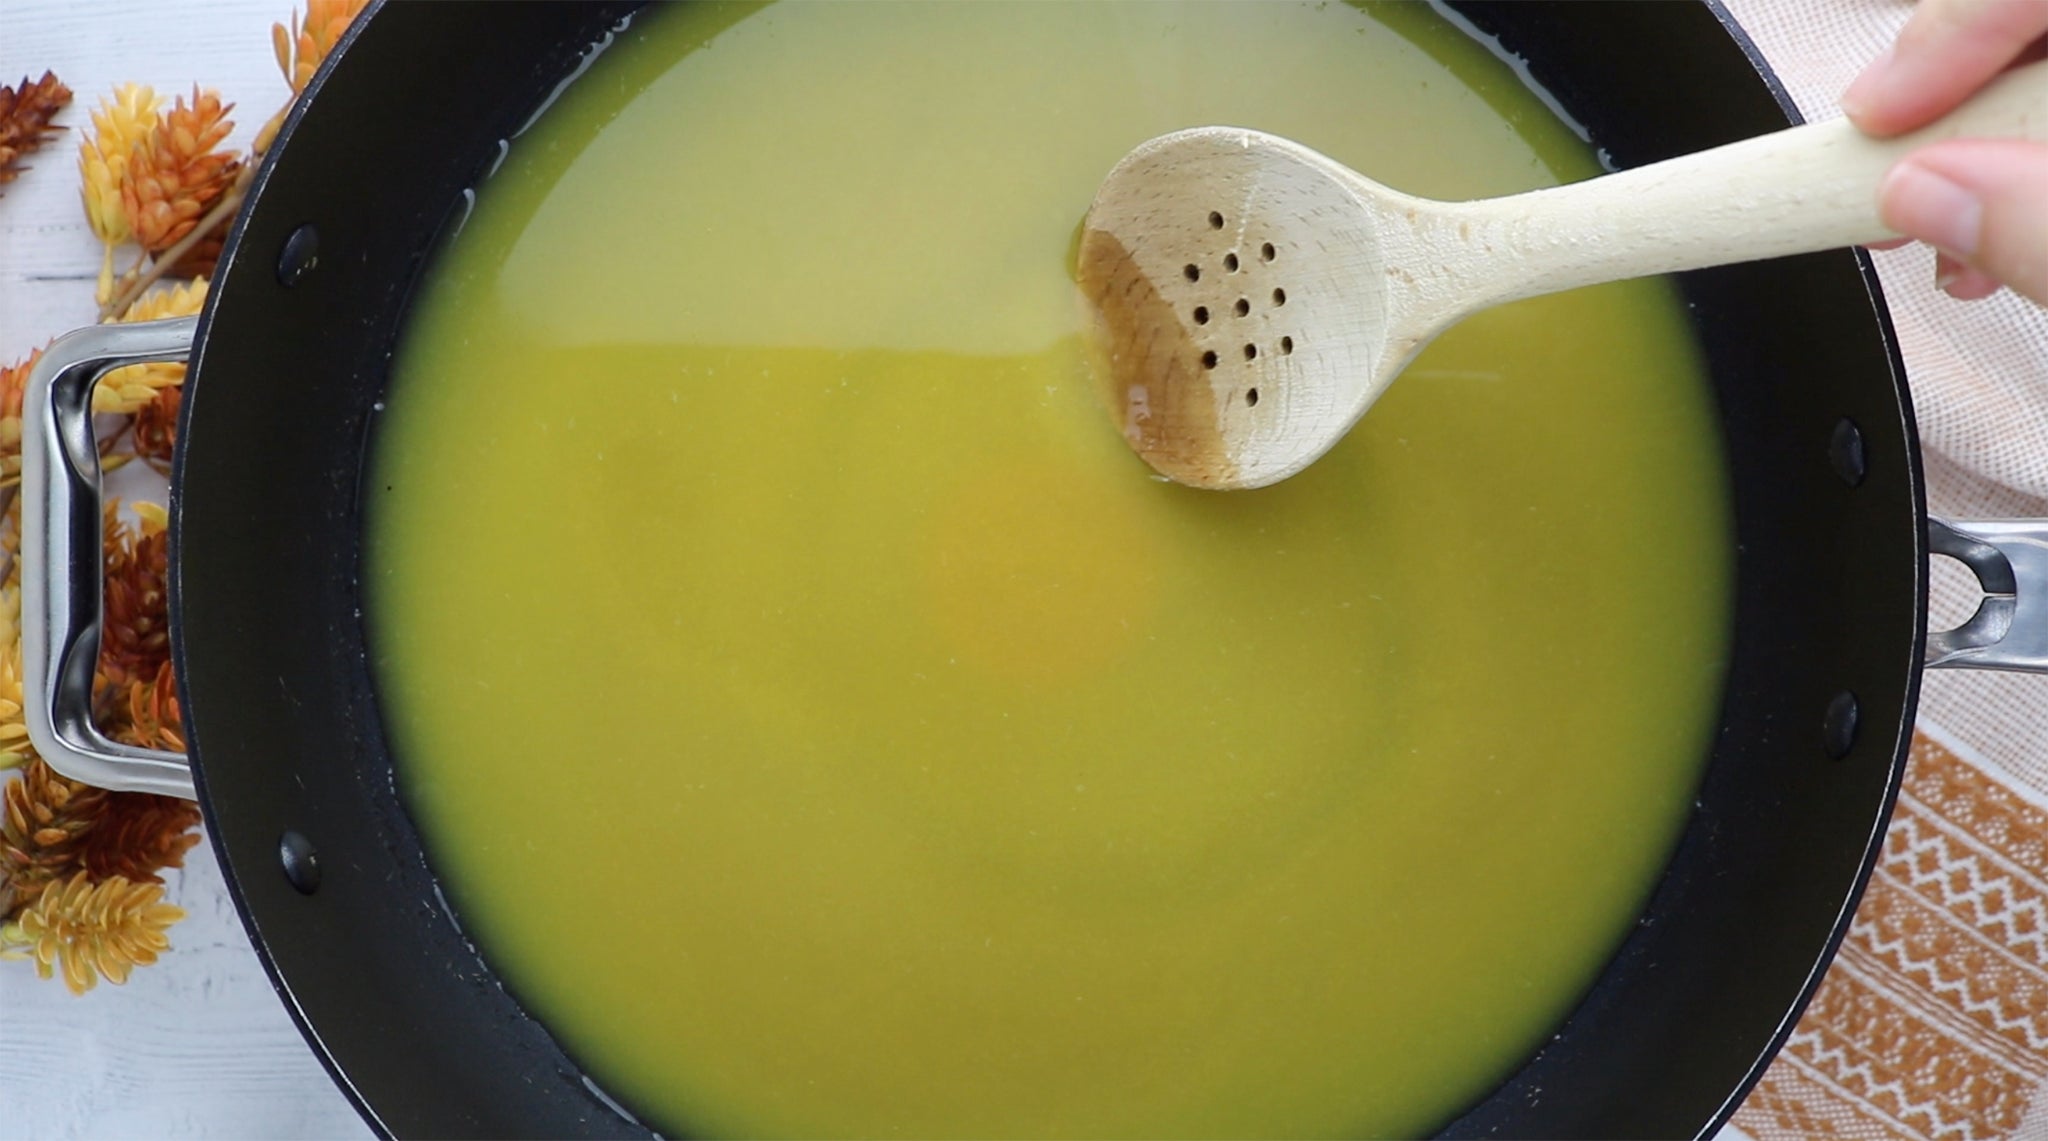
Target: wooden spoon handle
1798,190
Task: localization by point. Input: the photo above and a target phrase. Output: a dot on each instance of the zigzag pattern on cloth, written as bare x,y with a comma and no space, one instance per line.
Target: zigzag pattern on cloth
1933,1021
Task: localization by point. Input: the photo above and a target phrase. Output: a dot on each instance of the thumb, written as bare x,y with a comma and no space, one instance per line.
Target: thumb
1983,202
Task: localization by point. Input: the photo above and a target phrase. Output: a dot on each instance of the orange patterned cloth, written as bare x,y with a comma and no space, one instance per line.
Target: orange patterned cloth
1933,1021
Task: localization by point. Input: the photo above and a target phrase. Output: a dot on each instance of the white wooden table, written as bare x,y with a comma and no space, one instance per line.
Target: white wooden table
198,1045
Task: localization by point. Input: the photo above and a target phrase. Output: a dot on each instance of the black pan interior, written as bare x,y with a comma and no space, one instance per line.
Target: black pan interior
282,714
266,525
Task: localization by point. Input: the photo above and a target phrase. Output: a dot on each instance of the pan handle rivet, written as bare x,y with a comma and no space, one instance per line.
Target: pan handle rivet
1845,451
1838,727
301,253
301,862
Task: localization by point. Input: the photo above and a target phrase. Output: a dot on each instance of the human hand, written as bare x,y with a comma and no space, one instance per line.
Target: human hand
1981,203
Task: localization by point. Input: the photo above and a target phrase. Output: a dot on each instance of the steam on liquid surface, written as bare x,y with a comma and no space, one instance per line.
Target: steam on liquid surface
827,727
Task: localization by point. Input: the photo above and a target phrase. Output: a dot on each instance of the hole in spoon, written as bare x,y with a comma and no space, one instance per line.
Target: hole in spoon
1191,272
1286,346
1242,307
1279,297
1251,352
1266,252
1215,220
1209,359
1201,314
1251,397
1230,262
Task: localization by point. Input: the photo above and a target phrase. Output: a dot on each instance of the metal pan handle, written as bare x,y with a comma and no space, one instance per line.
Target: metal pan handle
62,588
2009,631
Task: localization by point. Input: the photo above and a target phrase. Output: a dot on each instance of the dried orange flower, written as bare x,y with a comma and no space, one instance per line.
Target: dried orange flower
10,545
127,390
156,428
119,126
44,818
300,54
52,826
150,715
14,746
135,639
14,383
326,20
92,930
178,301
301,50
25,113
13,386
202,257
176,174
138,835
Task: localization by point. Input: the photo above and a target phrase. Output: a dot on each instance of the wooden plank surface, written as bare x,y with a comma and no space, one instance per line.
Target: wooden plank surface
198,1045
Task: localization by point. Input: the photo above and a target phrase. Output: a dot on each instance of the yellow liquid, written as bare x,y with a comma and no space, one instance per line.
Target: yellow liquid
826,726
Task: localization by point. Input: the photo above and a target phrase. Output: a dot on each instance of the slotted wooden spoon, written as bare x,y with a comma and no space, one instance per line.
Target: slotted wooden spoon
1256,297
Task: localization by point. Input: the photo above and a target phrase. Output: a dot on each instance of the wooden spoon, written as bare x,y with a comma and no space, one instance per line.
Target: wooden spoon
1256,297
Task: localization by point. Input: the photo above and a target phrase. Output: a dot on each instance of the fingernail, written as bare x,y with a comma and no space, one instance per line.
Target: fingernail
1863,90
1947,270
1921,204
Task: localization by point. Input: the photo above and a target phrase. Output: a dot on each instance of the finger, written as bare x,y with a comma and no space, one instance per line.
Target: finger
1895,243
1971,285
1960,281
1982,201
1946,51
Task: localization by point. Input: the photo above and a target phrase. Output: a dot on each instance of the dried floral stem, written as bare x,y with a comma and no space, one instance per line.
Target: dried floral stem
222,210
110,285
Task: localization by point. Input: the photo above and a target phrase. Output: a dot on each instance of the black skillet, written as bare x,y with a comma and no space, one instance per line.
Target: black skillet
289,754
